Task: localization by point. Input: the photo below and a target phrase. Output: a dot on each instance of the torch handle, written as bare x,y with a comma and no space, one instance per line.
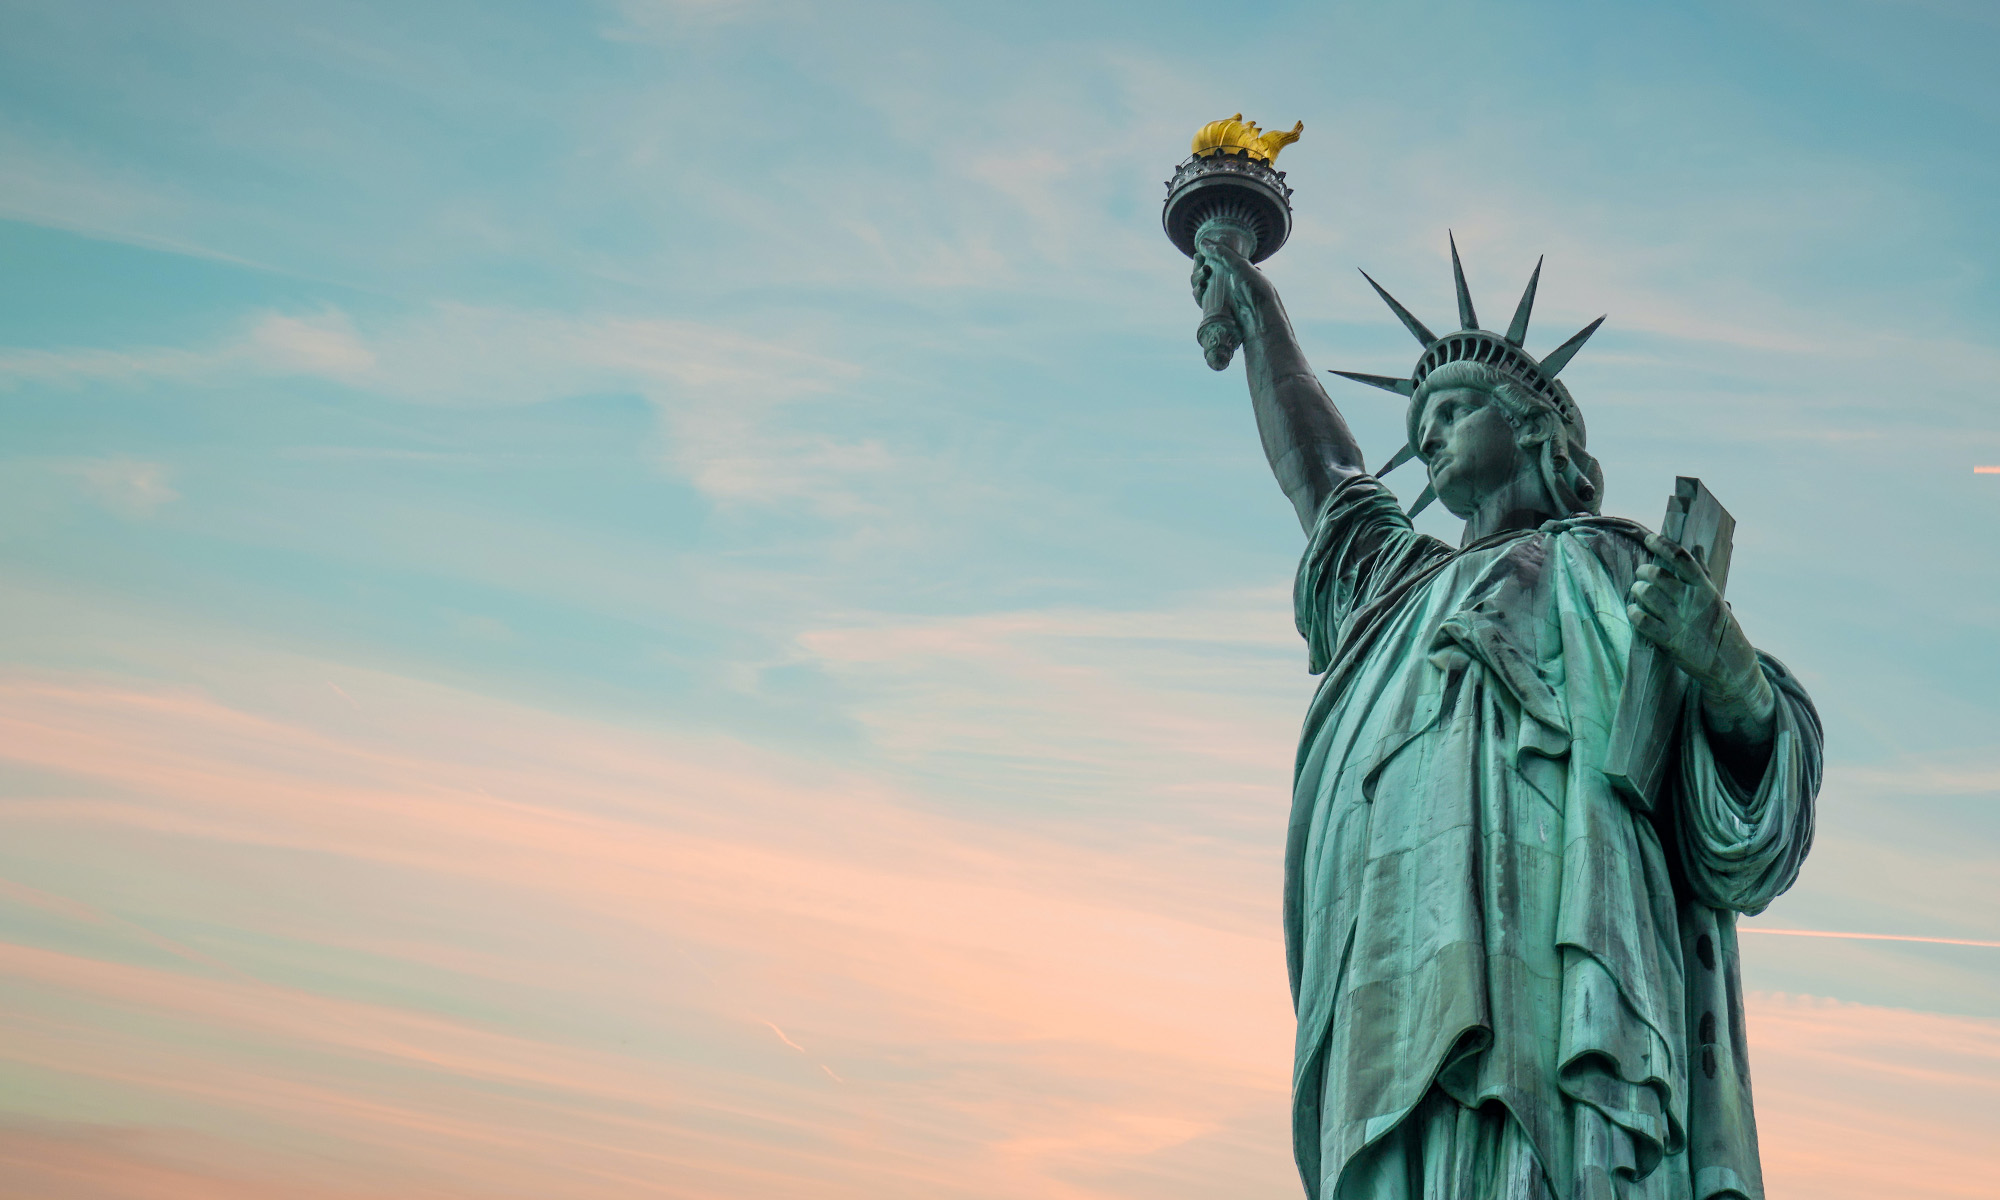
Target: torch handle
1218,333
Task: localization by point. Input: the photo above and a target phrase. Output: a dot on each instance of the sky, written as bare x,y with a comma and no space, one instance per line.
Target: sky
650,598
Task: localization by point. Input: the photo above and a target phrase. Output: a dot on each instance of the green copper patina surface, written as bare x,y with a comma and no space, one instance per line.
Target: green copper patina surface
1515,973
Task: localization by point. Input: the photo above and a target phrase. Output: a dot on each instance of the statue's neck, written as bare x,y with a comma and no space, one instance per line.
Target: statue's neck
1524,503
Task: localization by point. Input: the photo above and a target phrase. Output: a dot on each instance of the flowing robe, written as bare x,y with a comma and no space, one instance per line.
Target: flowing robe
1507,977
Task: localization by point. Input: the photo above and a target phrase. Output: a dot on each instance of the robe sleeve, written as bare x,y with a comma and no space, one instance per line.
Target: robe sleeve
1741,847
1361,545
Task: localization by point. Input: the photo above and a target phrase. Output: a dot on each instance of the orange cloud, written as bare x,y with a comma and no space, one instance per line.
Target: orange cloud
985,995
404,942
1856,1102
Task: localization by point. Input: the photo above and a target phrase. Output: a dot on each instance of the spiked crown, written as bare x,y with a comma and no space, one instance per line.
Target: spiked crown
1470,343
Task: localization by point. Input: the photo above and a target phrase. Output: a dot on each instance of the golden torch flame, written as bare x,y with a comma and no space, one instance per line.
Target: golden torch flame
1237,136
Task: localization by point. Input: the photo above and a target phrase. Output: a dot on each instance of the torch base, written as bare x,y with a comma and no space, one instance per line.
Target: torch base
1243,189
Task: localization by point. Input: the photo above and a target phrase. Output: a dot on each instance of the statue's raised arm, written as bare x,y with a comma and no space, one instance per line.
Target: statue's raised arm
1228,207
1308,443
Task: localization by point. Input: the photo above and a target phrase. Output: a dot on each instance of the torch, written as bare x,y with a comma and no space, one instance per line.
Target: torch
1229,188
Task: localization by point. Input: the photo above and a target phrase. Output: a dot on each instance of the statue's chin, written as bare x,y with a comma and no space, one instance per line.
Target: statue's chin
1450,499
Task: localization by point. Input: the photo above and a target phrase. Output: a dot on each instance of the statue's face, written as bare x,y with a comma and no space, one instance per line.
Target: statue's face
1471,449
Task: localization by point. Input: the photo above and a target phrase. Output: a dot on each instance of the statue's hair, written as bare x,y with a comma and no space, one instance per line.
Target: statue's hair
1573,476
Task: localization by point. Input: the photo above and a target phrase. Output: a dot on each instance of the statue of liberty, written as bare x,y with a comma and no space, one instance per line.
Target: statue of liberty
1514,979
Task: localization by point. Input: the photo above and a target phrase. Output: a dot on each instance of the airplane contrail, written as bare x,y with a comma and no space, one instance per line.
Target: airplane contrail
781,1037
802,1050
1873,937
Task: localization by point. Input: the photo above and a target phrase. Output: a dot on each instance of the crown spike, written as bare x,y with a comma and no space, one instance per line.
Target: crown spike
1410,322
1559,357
1402,387
1423,501
1517,329
1467,319
1402,456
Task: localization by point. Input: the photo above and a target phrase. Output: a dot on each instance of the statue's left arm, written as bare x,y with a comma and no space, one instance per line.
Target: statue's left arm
1674,605
1751,750
1742,840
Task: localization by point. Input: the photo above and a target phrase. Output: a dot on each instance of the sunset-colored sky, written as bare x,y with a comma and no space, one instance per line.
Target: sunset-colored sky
650,598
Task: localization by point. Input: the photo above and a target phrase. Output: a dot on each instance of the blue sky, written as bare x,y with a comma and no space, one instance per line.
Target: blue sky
802,400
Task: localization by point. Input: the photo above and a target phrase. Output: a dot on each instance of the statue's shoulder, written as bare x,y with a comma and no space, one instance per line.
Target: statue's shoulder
1618,527
1624,527
1619,542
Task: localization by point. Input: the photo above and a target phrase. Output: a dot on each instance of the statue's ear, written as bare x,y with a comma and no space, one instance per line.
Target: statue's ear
1538,429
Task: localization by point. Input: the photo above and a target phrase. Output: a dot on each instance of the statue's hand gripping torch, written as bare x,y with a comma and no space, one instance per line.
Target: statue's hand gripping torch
1229,189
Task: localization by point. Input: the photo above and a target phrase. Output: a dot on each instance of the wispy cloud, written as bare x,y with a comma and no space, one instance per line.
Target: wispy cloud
721,395
1093,712
647,20
322,344
1857,1102
65,186
980,990
789,979
128,487
1925,778
325,344
459,354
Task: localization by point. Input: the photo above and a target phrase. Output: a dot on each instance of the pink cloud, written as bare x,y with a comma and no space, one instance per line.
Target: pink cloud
989,997
63,1160
402,941
1856,1102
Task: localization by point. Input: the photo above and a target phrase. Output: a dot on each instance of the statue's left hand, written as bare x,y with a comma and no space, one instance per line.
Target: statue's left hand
1675,606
